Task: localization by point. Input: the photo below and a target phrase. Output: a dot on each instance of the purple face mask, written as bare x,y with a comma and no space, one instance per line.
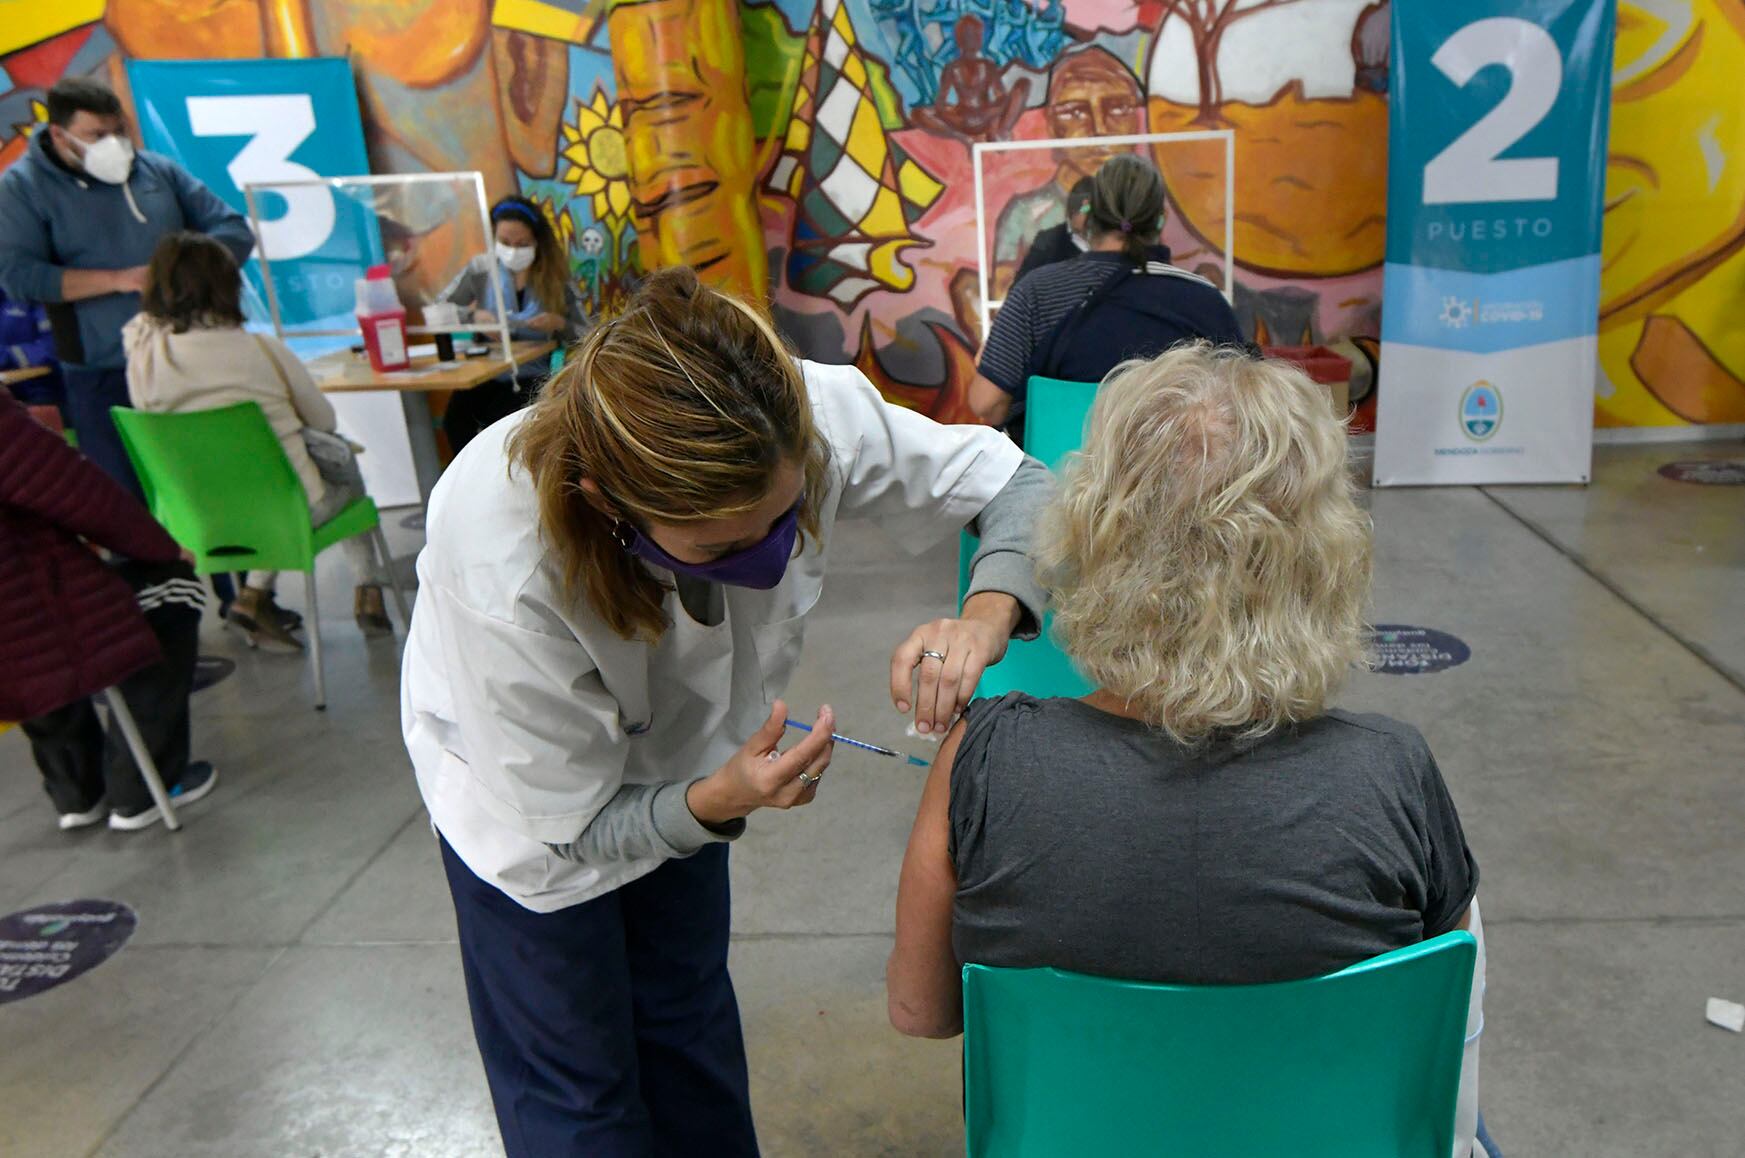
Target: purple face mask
760,566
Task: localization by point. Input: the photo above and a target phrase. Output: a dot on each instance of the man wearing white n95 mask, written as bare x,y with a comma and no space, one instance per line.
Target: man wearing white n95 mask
80,214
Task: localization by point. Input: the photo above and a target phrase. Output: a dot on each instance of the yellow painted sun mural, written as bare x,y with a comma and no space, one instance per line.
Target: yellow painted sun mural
599,166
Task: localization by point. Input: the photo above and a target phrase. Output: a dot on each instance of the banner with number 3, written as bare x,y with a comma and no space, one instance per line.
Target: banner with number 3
231,122
1496,175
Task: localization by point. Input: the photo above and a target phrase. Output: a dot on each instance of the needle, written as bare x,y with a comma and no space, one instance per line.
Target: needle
862,744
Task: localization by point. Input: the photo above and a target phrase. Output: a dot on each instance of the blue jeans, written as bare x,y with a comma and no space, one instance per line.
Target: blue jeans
91,391
609,1029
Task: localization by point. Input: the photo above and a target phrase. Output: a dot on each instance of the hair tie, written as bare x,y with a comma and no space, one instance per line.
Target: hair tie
1126,226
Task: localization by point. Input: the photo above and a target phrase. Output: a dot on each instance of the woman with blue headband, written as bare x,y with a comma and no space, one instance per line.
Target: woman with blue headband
531,280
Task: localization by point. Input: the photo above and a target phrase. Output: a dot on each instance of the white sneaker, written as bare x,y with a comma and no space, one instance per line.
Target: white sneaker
197,781
72,820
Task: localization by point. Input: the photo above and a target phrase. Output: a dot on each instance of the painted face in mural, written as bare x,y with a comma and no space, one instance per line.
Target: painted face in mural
1092,95
693,188
969,36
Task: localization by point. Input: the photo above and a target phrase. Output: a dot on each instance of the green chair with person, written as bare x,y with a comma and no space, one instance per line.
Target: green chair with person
1362,1063
1056,414
219,482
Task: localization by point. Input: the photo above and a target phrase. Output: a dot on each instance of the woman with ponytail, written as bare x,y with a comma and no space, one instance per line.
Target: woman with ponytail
1079,319
534,288
612,599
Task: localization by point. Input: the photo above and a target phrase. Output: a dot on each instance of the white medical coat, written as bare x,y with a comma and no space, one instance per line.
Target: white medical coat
524,714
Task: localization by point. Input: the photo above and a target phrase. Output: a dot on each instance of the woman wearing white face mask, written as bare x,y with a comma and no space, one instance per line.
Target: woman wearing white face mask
537,294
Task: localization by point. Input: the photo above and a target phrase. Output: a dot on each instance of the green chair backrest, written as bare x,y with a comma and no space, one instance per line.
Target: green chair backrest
1363,1063
219,482
1056,412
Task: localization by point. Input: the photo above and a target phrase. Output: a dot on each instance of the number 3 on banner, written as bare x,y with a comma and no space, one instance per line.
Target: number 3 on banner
274,126
1470,168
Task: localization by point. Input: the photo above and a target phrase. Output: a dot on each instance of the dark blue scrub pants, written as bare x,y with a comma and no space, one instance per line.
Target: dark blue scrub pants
609,1029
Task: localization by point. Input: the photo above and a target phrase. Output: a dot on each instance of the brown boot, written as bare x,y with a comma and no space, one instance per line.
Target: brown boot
371,614
252,615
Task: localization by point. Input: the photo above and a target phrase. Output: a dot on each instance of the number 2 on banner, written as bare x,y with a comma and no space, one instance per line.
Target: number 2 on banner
1470,168
274,126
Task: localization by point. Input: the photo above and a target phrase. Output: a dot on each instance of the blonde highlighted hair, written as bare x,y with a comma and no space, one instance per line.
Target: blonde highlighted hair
681,409
1206,555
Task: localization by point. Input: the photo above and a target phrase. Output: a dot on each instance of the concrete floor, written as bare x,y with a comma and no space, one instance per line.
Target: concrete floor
293,988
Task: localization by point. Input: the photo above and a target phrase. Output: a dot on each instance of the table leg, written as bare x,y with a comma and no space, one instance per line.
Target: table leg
421,435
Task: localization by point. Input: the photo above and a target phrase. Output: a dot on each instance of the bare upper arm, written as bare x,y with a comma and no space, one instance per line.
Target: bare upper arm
922,980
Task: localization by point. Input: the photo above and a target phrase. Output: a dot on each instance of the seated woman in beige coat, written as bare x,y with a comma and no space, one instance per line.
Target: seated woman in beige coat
187,350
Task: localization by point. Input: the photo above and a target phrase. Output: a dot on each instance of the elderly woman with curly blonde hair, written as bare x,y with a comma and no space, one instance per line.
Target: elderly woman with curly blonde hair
1204,817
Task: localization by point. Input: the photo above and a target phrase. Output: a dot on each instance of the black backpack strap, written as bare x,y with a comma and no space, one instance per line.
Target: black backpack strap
1045,361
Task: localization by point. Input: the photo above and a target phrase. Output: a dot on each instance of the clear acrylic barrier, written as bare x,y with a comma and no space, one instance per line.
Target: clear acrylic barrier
317,237
1021,189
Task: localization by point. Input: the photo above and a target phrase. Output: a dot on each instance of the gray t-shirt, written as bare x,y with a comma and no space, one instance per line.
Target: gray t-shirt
1093,843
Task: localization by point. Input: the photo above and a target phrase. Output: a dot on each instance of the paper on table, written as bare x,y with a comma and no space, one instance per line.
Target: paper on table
428,350
1727,1014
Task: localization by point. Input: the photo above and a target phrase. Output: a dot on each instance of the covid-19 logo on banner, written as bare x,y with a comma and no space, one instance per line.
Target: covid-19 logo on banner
1481,411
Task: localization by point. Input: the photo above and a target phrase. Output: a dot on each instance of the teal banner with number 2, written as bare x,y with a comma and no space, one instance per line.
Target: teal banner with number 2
1496,180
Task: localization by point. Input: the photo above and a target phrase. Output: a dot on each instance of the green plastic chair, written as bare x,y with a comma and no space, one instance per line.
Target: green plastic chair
1057,412
1363,1063
219,482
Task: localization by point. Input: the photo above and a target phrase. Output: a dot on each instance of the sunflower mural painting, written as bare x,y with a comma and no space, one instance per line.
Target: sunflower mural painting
598,167
597,171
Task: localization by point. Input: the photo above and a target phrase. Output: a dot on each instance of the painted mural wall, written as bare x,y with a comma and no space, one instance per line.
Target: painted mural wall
820,151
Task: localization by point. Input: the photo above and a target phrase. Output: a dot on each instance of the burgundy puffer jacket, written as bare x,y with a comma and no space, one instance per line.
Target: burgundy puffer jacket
69,627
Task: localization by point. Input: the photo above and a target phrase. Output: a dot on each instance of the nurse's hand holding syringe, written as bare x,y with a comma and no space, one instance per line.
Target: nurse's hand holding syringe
761,776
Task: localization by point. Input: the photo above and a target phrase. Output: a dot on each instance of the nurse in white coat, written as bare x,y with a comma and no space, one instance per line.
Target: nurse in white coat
612,599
